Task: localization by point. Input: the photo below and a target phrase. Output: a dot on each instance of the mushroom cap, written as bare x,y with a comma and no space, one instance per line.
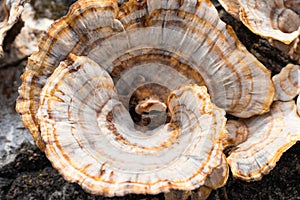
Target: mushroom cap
287,83
237,133
91,139
150,105
169,43
273,19
270,135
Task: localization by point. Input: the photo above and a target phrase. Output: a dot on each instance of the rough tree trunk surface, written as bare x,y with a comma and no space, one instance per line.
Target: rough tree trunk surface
30,175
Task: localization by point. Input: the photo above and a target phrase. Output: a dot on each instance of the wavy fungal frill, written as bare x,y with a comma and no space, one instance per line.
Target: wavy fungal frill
116,98
276,20
287,83
269,136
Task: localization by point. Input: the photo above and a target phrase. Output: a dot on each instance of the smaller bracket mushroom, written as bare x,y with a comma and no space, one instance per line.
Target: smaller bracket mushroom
287,83
150,105
268,18
276,20
270,135
237,133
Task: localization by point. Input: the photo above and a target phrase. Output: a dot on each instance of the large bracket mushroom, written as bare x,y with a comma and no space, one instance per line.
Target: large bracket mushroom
104,74
91,139
177,41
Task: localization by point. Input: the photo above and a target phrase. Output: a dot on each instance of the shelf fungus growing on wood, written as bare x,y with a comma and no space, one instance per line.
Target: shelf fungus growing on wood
268,18
113,78
270,135
166,43
276,20
287,83
91,138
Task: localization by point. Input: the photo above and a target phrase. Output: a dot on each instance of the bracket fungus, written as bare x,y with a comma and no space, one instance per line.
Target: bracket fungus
104,74
91,139
257,143
287,83
277,20
268,18
181,41
270,135
237,133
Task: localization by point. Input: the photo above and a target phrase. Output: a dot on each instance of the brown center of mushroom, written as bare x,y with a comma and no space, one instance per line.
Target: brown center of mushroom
147,106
